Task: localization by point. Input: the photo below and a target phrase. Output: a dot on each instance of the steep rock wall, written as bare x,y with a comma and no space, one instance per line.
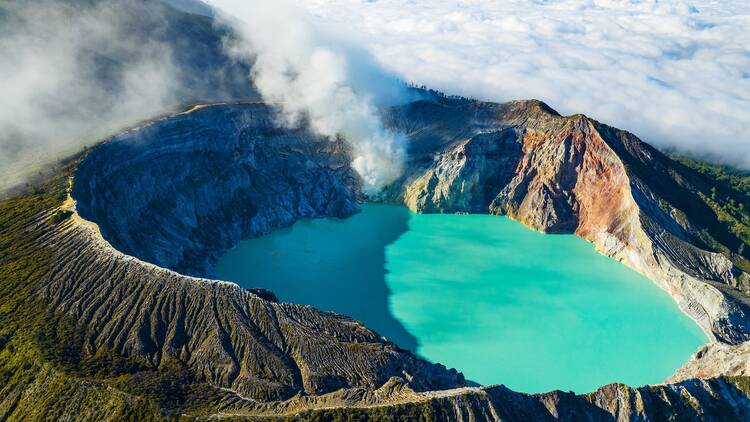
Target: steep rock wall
574,175
180,191
553,173
175,194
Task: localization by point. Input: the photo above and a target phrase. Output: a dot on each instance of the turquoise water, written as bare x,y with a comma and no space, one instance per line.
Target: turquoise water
483,294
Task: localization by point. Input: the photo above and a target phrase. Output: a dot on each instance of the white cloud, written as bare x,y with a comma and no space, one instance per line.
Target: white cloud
676,74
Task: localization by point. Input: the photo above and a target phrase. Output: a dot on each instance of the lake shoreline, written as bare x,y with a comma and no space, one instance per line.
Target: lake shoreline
396,316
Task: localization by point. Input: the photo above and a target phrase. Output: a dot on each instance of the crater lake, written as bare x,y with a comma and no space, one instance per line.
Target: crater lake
483,294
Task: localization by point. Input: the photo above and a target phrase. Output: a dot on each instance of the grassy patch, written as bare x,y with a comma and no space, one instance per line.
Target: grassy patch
38,349
728,195
44,371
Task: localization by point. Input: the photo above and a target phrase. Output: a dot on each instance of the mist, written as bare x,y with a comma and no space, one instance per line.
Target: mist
75,72
61,84
314,76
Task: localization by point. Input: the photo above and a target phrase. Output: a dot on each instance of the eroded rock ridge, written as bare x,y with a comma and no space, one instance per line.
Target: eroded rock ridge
155,206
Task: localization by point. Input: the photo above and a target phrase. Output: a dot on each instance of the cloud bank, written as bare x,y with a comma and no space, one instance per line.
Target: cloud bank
316,77
676,74
69,74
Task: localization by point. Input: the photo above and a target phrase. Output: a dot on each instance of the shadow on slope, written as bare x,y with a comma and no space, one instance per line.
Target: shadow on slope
334,265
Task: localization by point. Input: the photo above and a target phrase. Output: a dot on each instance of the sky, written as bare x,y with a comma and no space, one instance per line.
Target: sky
677,74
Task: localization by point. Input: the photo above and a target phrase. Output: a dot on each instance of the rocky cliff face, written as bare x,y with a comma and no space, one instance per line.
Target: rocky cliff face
696,400
714,360
574,175
179,192
159,203
176,194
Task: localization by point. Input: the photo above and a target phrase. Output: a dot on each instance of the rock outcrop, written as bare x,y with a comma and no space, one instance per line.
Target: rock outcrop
572,174
151,209
695,400
178,192
714,360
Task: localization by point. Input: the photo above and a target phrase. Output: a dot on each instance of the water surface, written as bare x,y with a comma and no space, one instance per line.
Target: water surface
483,294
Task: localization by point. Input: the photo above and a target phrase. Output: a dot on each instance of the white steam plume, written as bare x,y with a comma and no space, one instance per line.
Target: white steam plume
674,72
315,77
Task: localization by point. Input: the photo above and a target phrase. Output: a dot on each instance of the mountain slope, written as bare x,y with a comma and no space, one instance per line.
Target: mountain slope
107,312
179,191
574,175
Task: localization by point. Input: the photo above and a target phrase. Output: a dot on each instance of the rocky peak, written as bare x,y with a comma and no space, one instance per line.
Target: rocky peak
571,174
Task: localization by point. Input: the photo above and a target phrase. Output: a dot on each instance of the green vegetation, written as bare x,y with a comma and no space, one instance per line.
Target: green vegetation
37,349
44,372
728,194
742,383
46,375
59,216
422,411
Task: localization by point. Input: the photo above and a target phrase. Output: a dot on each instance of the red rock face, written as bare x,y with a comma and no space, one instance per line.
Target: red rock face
260,357
573,175
569,180
603,191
